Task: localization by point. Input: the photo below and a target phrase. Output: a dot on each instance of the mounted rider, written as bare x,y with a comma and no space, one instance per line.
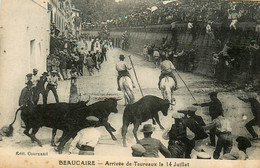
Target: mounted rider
122,69
167,69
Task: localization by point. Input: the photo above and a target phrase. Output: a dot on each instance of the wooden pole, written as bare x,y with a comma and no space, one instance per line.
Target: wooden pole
136,76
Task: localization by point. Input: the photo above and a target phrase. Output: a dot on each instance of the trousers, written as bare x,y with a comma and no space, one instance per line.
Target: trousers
54,91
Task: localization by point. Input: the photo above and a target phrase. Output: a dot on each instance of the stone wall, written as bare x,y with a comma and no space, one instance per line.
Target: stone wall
203,44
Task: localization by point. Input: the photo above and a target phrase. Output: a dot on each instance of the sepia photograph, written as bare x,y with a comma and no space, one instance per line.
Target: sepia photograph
129,83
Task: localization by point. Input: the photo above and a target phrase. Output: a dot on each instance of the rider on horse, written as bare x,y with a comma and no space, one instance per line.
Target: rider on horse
122,69
167,69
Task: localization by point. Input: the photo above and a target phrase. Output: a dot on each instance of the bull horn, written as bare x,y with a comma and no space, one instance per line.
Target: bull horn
88,99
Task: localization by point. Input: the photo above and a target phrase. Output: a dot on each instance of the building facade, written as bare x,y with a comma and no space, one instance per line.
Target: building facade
24,45
25,33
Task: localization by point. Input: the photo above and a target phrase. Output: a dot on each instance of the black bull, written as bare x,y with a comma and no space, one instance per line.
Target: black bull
144,109
68,117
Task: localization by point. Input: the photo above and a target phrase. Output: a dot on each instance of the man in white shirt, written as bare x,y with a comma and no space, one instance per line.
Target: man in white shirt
167,69
35,77
86,139
223,131
52,85
122,69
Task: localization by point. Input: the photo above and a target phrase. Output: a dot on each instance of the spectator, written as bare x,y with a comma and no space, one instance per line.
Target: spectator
86,139
215,110
224,133
25,98
151,145
52,85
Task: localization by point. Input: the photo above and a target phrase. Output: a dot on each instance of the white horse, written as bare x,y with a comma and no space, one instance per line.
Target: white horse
167,86
126,87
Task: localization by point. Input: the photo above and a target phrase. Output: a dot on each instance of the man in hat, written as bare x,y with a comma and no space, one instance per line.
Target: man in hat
191,113
122,69
223,129
86,139
26,95
177,136
152,145
40,89
255,108
167,69
215,110
28,77
52,85
137,150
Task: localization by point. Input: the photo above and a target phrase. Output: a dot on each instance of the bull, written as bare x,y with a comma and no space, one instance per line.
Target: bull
68,117
144,109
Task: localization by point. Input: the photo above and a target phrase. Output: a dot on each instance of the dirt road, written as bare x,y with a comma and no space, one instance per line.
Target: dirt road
103,84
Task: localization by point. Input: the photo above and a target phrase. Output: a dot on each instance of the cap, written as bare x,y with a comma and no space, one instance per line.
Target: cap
138,149
147,128
45,73
92,118
29,75
34,69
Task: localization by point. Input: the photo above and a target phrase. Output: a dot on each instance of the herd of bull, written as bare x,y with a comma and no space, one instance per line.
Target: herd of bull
71,117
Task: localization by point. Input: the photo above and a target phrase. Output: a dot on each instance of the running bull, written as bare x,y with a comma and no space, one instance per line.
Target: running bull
144,109
68,117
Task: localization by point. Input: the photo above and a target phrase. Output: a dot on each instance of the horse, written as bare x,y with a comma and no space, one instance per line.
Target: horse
126,86
167,86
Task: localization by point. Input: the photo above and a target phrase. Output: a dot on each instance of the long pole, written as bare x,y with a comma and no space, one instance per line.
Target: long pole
136,75
186,86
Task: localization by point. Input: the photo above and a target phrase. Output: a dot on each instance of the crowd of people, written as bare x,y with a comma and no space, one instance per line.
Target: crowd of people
183,60
64,64
152,13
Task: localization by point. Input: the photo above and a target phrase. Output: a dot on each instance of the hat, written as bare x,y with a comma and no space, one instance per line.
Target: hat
45,73
34,69
147,128
243,142
29,83
29,75
177,115
121,57
53,71
92,118
203,155
213,93
138,149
